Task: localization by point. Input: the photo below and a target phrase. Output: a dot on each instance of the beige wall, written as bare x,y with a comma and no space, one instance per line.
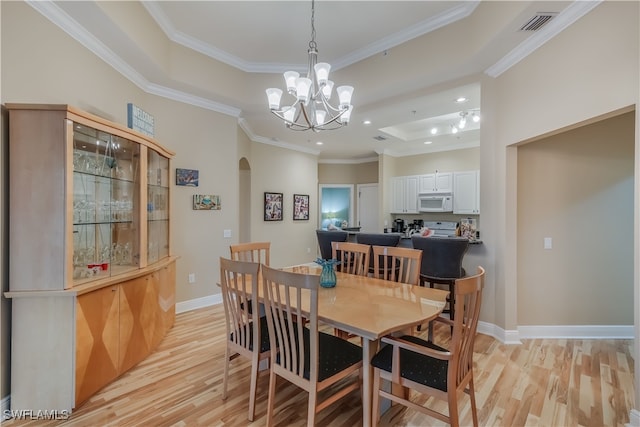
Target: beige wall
445,161
361,173
288,172
577,187
559,85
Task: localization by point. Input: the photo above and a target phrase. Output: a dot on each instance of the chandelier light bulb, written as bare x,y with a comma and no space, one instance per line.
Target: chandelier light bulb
344,94
454,129
320,117
322,72
274,95
290,114
346,116
290,78
327,89
303,85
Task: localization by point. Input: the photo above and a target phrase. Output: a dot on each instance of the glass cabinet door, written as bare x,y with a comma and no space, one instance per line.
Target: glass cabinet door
105,204
157,207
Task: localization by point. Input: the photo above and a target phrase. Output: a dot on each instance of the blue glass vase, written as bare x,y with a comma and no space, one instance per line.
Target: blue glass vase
328,273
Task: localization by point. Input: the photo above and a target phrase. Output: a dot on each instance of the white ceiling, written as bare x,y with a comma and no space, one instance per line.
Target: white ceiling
408,60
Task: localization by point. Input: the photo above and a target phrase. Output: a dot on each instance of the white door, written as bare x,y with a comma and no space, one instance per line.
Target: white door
368,208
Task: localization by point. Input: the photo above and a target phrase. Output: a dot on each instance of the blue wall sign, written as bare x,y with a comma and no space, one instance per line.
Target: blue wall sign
140,120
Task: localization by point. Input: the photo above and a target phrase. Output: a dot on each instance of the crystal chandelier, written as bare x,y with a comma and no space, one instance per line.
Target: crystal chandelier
311,108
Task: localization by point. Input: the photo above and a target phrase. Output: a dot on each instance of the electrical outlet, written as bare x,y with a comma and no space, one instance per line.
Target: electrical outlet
192,277
308,250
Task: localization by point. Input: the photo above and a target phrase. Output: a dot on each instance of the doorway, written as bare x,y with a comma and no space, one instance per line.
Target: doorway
368,218
244,214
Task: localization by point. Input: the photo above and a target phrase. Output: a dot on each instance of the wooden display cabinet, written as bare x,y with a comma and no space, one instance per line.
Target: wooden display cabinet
91,277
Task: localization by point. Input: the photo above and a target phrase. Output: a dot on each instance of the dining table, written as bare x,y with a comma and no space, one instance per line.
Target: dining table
372,308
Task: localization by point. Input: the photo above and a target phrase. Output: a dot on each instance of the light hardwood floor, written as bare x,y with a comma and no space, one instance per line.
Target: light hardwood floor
539,383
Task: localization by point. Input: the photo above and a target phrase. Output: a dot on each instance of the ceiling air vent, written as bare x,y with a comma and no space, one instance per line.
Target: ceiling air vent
380,138
538,21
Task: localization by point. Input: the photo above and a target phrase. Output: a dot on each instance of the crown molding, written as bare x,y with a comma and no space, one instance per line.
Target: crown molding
348,161
445,18
571,14
61,19
269,141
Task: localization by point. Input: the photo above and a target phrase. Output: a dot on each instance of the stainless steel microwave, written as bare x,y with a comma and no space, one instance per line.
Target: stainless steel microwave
435,203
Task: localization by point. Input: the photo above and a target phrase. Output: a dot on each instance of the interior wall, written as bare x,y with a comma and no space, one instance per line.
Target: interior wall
559,85
288,172
444,161
341,173
576,187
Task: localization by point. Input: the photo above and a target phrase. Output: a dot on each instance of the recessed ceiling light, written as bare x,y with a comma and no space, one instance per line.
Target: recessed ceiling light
461,99
319,143
428,142
434,131
366,122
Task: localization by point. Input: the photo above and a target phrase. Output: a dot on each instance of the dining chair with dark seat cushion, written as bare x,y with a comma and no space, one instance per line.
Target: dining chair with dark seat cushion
247,335
310,359
377,239
442,263
431,370
325,237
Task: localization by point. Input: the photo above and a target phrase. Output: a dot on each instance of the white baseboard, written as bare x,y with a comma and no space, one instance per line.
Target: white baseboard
634,418
577,332
197,303
502,335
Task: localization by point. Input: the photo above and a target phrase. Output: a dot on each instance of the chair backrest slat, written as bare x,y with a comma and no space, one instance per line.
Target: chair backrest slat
239,284
468,300
252,252
397,264
353,257
288,298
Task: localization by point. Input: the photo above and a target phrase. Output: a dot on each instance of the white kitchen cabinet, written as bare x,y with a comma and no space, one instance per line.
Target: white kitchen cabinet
439,182
466,192
404,194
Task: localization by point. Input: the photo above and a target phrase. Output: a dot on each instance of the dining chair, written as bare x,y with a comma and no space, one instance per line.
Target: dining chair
420,365
252,252
354,259
397,264
442,263
377,239
306,357
325,237
246,336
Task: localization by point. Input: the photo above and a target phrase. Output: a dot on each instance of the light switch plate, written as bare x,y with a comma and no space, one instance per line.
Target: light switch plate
548,243
227,234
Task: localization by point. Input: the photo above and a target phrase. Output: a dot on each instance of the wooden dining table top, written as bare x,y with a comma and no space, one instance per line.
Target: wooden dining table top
372,308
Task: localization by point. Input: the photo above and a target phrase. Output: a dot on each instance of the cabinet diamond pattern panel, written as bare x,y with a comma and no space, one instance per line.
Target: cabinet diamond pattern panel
97,341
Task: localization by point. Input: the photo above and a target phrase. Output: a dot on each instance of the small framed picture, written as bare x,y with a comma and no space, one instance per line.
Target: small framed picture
206,202
272,206
187,177
300,207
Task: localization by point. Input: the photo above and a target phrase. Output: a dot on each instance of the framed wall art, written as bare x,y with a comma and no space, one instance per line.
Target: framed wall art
187,177
300,207
207,202
272,206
